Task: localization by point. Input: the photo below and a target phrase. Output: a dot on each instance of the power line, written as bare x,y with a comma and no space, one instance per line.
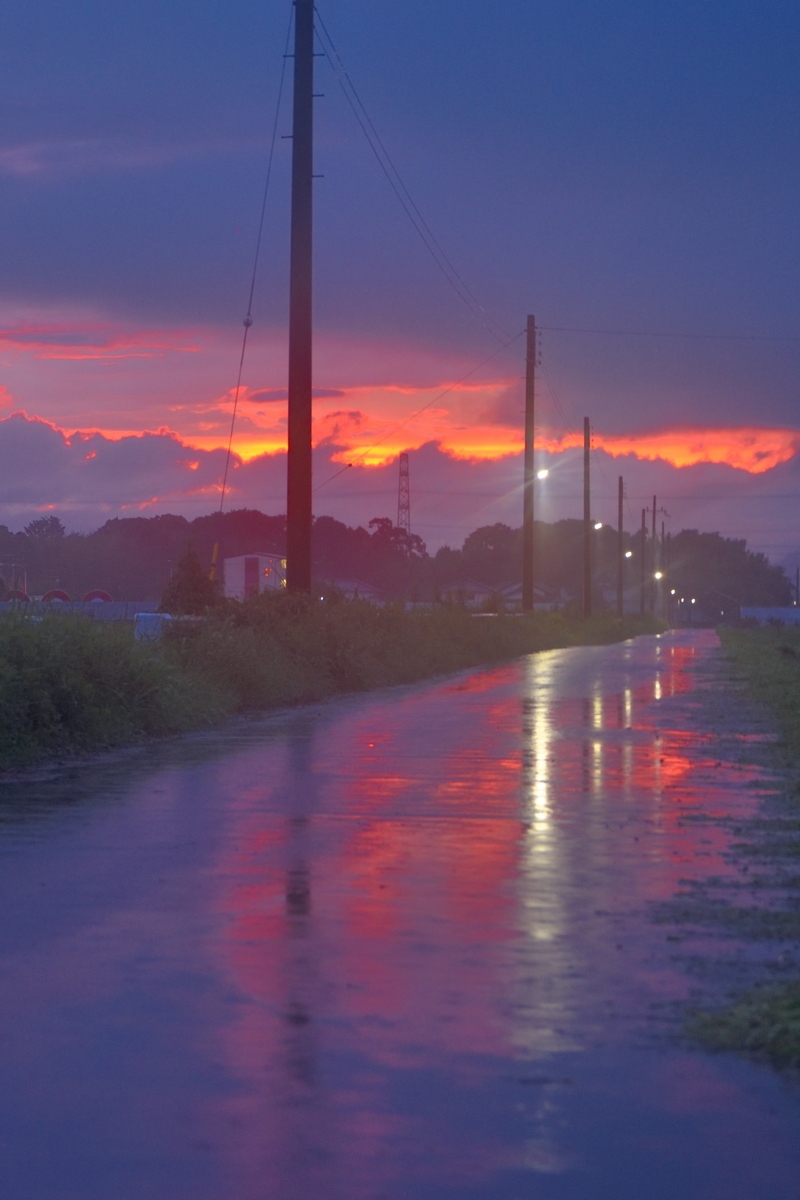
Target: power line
411,209
248,320
663,333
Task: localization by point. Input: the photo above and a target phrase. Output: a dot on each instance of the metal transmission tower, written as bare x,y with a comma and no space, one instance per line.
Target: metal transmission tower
404,497
528,478
298,499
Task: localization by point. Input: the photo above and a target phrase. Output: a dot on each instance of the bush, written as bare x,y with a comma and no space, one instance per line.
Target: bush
72,684
189,592
764,1023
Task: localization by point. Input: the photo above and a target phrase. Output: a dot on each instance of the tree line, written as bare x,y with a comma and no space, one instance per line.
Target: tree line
133,558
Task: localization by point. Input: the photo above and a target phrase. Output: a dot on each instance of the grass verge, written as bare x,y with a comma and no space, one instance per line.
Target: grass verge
763,1023
70,685
768,659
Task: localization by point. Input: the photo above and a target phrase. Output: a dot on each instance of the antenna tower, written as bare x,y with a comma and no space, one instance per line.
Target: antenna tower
404,497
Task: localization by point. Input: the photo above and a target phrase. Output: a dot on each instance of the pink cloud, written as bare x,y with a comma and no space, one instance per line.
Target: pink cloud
85,341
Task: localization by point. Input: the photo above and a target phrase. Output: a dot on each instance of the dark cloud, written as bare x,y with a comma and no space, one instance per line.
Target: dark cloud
272,395
87,478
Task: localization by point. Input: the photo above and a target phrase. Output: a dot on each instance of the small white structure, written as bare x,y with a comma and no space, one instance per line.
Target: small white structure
149,626
248,574
772,616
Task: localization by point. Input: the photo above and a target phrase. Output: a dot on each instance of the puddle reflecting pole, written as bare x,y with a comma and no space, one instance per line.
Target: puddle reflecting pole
654,582
298,498
641,556
620,557
587,523
527,494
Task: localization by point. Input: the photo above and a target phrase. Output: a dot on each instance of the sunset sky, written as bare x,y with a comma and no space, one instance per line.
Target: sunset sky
627,173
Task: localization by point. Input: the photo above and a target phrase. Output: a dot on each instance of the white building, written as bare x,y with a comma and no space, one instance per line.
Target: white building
248,574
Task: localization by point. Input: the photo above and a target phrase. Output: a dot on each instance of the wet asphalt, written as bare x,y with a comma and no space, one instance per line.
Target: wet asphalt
396,946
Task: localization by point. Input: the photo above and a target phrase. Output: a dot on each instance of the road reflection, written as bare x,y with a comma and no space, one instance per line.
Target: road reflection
454,886
396,947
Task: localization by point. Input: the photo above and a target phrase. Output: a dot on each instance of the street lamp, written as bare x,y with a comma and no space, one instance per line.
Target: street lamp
629,554
598,524
543,473
658,575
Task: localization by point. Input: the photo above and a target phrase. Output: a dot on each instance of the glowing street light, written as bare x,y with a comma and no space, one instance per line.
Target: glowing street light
598,524
629,554
672,591
543,473
658,575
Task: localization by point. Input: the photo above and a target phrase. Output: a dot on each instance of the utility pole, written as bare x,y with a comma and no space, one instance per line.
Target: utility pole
528,482
620,554
642,563
298,498
587,521
404,497
662,566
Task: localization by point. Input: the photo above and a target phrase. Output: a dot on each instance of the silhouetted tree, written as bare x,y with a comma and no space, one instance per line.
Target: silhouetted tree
190,592
45,528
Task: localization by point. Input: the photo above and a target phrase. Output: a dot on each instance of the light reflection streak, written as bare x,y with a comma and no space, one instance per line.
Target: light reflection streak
482,851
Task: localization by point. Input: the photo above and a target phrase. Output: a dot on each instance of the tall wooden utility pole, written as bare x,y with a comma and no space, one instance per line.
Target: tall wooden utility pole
620,546
529,477
642,566
298,498
587,521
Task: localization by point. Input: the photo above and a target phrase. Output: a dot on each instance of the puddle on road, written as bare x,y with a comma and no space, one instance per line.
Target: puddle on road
397,947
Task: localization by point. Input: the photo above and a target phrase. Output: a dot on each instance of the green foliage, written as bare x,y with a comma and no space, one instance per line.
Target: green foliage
189,592
132,558
45,528
706,564
72,684
769,660
764,1022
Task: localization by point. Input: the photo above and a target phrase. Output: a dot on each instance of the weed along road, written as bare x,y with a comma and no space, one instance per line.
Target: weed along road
414,944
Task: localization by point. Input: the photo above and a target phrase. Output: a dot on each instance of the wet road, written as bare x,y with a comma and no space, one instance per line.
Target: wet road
396,946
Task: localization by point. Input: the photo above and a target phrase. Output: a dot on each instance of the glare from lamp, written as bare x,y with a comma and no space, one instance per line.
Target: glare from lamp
629,554
543,473
598,524
659,575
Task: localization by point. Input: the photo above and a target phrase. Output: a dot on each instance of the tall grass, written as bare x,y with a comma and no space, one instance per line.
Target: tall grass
70,685
769,661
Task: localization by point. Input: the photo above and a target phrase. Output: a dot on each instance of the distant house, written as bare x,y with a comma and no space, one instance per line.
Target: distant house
544,598
354,589
248,574
469,593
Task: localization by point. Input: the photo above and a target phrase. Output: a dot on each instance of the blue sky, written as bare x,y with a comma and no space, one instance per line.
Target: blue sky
613,167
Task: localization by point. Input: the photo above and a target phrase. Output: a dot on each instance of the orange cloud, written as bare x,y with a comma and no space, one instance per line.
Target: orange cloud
748,448
374,440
